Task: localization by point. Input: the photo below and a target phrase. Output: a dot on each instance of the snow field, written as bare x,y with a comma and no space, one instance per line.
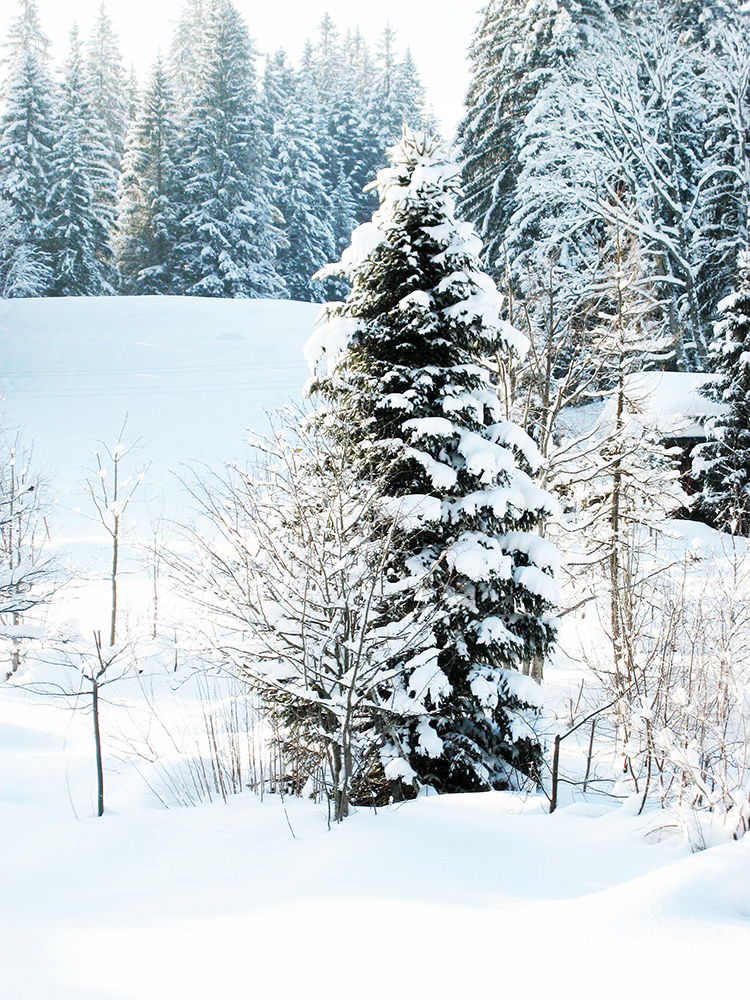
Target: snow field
439,897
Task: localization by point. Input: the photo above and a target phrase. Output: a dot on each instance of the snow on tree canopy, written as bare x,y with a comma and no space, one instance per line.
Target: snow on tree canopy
723,461
400,375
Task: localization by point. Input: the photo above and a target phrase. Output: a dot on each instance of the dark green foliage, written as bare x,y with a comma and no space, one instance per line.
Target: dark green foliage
147,225
227,241
723,463
78,229
413,399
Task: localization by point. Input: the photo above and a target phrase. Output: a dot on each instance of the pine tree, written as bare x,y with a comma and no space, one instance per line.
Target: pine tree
25,34
357,60
187,51
326,60
107,103
77,229
396,95
622,126
516,49
385,113
228,234
133,96
342,78
27,135
147,223
410,94
279,87
108,85
723,463
302,199
406,386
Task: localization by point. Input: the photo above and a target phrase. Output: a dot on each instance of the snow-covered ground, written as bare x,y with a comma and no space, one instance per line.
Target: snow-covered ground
190,375
435,898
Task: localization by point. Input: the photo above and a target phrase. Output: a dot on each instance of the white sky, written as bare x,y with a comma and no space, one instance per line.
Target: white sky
438,32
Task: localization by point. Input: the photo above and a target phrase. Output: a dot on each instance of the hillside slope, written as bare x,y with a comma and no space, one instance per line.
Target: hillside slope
191,375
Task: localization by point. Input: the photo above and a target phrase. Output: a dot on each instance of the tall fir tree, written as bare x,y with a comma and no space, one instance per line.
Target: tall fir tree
279,87
517,47
228,226
147,227
108,96
302,198
402,379
77,227
187,51
722,464
27,135
396,95
107,102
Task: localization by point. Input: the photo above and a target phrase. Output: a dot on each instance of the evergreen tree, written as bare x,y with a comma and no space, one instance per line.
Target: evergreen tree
386,114
27,135
228,234
344,221
147,223
347,141
327,60
356,58
187,51
396,94
108,97
407,388
279,87
516,49
410,94
133,96
723,463
302,199
107,104
77,229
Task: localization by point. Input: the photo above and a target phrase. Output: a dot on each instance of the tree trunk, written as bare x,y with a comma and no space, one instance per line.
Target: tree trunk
98,742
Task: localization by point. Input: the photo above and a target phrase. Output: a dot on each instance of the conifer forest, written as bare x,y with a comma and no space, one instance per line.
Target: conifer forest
481,536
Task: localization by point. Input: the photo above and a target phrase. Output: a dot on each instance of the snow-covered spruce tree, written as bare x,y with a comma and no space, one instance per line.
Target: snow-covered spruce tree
517,47
77,228
147,221
302,198
27,135
348,141
279,87
406,388
228,236
108,91
186,51
107,106
396,94
723,462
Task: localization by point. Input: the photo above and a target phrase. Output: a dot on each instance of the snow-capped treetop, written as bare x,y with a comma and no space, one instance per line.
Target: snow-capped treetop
403,383
423,180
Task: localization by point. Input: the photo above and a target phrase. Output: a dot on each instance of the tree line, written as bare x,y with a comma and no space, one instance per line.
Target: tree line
586,115
214,179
